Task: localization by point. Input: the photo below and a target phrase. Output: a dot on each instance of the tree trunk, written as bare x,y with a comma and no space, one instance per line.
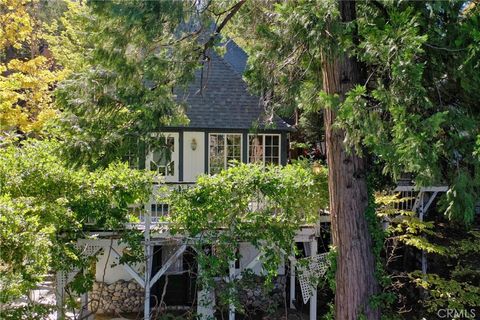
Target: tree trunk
355,280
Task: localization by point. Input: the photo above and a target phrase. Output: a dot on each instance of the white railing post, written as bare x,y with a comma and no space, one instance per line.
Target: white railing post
421,216
231,307
313,298
148,266
59,295
292,283
205,301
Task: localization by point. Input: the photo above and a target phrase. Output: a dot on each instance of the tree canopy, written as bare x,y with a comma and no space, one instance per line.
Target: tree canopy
44,206
416,112
396,82
27,70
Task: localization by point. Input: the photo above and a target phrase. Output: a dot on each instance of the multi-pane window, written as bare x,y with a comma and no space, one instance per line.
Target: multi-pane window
264,148
223,149
158,210
132,152
161,160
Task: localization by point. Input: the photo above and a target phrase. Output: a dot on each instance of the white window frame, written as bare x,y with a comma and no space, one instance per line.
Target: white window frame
175,156
263,146
225,162
154,216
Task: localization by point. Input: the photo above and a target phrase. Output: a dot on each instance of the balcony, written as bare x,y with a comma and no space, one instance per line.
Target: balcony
155,206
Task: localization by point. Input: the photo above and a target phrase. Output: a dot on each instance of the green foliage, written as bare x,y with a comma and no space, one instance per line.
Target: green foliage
134,240
36,170
407,141
24,240
467,246
331,271
461,198
133,60
66,37
413,112
283,41
415,108
331,281
459,288
28,312
447,293
264,206
385,298
42,197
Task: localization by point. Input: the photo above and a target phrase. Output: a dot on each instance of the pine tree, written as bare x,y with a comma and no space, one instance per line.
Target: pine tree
391,81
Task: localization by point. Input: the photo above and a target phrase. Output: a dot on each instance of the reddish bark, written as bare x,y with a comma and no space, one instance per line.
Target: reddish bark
355,280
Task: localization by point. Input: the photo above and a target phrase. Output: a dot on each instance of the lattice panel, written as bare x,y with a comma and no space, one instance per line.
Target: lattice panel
309,271
64,278
87,250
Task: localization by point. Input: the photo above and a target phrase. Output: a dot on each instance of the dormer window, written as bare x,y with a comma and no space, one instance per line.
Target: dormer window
223,148
264,148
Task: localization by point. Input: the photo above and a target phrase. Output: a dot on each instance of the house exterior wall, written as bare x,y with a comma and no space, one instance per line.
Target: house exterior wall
189,164
108,269
249,252
193,160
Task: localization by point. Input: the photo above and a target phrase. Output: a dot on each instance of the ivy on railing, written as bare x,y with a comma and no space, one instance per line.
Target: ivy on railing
218,213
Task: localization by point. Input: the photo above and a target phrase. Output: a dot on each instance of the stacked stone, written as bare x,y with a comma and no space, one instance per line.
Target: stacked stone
118,297
255,298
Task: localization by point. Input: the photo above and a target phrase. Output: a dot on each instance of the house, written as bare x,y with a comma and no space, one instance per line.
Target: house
227,123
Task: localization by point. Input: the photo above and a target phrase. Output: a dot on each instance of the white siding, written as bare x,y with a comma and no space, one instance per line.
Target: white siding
248,252
193,160
105,263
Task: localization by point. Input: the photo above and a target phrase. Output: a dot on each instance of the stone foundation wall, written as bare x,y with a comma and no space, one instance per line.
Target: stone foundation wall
120,296
127,296
254,297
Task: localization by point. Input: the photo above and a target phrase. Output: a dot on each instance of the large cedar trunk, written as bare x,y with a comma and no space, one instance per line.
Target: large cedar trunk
355,280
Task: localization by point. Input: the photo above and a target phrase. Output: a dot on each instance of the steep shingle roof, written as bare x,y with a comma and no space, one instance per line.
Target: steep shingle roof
225,102
235,56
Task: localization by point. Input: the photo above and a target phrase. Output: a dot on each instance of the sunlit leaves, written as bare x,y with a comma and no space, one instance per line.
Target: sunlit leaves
405,226
24,242
45,204
15,23
447,293
133,60
250,203
27,71
457,290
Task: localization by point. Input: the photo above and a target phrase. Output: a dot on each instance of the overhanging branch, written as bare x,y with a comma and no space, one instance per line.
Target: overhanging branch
231,13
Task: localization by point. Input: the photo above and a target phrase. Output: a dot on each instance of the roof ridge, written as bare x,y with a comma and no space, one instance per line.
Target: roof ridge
246,87
227,101
230,67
